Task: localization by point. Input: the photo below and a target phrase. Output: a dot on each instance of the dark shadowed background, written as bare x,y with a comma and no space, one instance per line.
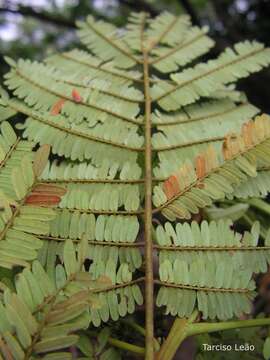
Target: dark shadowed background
34,28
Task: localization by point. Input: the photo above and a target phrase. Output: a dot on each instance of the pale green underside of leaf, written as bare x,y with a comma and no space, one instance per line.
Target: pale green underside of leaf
90,108
111,228
75,144
110,238
214,242
116,261
232,212
254,187
43,92
204,79
92,188
6,113
75,141
218,282
102,197
180,302
196,43
12,152
215,186
83,300
167,29
104,41
20,225
198,127
17,160
88,68
71,172
19,234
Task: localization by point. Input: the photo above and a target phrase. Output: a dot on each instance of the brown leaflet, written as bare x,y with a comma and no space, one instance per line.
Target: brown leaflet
57,107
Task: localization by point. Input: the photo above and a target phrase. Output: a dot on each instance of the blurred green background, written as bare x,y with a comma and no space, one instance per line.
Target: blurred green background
35,28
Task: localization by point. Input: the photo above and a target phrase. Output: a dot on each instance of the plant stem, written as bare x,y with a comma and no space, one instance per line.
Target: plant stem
149,277
248,220
178,333
260,205
135,326
201,328
141,330
183,328
126,346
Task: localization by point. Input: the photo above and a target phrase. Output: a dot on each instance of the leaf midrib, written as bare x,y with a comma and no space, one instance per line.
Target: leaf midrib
36,116
69,98
217,68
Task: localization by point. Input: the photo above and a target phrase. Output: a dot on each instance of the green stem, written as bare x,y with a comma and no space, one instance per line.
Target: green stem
135,326
141,330
248,220
183,328
201,328
260,205
178,333
126,346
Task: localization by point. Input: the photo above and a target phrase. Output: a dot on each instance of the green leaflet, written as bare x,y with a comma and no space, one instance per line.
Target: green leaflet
254,187
219,177
118,231
215,242
210,265
116,304
20,157
109,228
6,113
128,98
57,343
19,242
167,29
233,212
94,34
266,348
214,234
70,258
19,223
212,304
68,171
193,129
101,197
195,44
199,81
80,64
21,313
15,159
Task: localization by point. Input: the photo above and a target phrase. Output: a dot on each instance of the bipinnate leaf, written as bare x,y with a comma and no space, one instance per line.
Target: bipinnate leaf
215,175
22,328
134,99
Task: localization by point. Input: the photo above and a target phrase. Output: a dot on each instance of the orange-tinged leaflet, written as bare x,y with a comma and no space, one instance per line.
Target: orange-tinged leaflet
76,96
49,189
42,200
57,107
171,187
200,166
